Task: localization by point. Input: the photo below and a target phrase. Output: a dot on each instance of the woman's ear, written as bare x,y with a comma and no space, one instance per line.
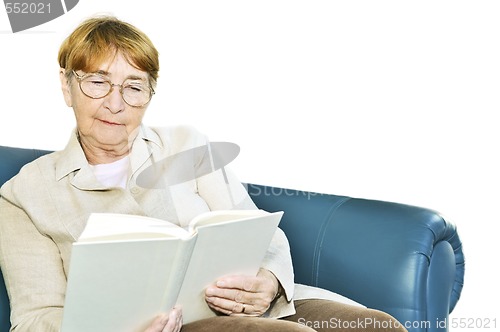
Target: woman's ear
65,87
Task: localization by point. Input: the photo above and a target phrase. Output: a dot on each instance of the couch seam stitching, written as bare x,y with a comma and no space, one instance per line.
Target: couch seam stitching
321,237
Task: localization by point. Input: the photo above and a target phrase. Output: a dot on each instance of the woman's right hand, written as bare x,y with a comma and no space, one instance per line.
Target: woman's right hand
168,322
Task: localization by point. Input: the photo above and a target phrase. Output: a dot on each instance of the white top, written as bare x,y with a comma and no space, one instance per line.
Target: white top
114,174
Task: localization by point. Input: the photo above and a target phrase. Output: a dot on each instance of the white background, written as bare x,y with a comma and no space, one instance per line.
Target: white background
390,100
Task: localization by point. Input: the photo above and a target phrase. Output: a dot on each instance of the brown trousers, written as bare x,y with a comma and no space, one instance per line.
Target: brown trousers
311,315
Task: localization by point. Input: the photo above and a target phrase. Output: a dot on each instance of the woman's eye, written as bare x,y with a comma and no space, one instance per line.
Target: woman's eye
98,82
135,87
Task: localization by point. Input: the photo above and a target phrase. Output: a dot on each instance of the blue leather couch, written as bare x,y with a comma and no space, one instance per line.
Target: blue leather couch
401,259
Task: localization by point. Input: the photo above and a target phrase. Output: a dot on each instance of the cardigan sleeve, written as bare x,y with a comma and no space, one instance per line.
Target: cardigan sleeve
33,272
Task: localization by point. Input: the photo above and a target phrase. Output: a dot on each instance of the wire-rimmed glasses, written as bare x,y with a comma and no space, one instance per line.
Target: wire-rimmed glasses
135,93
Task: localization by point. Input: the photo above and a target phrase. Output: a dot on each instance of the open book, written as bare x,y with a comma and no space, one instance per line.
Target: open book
127,269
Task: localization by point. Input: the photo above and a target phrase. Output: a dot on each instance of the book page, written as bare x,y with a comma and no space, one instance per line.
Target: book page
120,286
118,227
223,249
220,216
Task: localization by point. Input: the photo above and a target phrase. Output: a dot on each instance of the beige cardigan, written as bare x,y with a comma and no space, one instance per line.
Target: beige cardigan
43,210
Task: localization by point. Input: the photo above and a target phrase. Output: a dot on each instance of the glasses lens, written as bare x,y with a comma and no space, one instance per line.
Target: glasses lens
136,93
95,86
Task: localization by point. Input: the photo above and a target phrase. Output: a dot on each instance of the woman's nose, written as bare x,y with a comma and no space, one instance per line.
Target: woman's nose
114,100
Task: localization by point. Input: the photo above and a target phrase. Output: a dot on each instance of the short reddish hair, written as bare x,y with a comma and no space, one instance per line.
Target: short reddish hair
98,38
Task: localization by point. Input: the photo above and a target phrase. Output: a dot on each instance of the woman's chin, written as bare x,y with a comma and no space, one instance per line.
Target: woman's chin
109,139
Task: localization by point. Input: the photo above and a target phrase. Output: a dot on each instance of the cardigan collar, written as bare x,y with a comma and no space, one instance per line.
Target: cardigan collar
73,160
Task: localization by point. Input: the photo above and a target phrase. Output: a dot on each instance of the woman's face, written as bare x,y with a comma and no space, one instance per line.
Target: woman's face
109,123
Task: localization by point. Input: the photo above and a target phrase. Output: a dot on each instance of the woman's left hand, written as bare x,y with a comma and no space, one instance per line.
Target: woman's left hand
243,295
167,322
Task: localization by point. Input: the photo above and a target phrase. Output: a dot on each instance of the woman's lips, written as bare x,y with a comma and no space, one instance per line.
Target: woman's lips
109,123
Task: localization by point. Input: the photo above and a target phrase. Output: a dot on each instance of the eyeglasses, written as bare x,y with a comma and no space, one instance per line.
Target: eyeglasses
134,92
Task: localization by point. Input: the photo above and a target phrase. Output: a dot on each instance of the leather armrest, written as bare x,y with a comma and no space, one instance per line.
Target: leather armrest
401,259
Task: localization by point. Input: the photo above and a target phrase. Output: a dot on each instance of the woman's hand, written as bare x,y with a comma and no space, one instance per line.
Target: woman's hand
169,322
243,295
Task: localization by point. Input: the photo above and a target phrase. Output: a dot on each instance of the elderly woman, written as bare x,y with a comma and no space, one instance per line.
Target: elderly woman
108,74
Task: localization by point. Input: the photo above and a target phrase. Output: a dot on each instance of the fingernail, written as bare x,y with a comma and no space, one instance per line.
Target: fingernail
221,283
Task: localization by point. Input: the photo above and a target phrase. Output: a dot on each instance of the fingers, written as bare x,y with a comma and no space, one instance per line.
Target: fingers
174,322
241,295
246,283
229,306
168,322
158,323
235,295
244,289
